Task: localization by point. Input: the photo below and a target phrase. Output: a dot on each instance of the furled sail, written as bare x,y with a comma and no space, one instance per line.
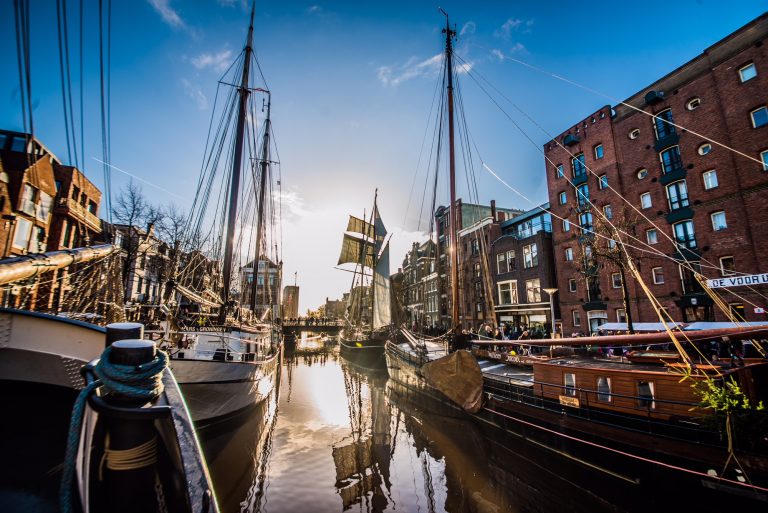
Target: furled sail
353,249
357,225
382,315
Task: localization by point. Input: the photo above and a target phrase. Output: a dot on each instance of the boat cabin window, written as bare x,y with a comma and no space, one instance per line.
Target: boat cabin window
645,394
604,389
569,380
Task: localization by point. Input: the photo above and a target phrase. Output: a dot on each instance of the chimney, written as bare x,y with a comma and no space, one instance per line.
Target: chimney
493,210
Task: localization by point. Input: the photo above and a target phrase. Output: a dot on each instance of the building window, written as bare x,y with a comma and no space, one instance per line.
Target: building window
621,315
585,221
577,165
748,72
28,198
475,246
569,380
599,151
44,207
693,103
566,225
511,266
645,398
645,200
677,195
569,254
508,293
737,310
727,266
560,172
92,207
530,256
718,221
582,193
616,280
21,238
652,236
642,173
764,159
604,389
658,275
759,117
662,122
710,179
533,290
501,263
608,211
572,285
704,149
75,193
141,282
685,235
603,182
670,159
576,318
634,133
563,198
478,272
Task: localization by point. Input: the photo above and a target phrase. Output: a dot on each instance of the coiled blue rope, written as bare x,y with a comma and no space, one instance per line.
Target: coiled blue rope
143,382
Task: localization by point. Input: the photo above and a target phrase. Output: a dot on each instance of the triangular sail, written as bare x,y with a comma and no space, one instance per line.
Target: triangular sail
353,249
378,227
357,225
382,315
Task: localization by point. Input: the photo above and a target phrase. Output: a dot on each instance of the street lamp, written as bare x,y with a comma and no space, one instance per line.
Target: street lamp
551,293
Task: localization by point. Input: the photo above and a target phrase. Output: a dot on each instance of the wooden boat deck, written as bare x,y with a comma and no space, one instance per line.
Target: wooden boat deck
507,373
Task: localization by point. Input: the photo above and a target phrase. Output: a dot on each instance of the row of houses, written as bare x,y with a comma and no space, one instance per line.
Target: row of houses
46,205
678,173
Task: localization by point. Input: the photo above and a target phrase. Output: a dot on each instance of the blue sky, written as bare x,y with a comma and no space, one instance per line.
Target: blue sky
352,84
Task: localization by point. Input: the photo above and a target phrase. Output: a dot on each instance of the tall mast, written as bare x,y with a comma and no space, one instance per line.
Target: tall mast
454,212
260,221
234,185
375,254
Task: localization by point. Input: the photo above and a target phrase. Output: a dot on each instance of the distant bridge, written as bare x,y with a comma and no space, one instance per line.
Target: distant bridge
294,326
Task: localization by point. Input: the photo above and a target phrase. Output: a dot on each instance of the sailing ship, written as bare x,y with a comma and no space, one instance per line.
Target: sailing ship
230,365
640,421
367,328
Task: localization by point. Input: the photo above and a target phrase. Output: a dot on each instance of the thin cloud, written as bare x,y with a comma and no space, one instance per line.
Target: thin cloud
469,28
517,47
167,13
511,25
396,75
218,62
314,9
195,93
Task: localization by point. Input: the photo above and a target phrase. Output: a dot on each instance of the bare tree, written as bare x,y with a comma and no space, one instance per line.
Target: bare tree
602,247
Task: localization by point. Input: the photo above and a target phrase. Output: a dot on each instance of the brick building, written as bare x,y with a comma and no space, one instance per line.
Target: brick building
522,266
420,296
479,224
268,281
291,302
699,204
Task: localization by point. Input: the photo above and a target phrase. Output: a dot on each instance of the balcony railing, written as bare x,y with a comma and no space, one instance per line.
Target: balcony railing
80,211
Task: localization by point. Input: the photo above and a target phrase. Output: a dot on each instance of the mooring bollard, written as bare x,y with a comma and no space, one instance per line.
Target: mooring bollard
124,331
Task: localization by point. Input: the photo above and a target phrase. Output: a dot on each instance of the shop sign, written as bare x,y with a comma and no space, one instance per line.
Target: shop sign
738,281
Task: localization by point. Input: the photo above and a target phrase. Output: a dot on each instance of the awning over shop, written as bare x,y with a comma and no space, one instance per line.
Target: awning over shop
695,326
639,326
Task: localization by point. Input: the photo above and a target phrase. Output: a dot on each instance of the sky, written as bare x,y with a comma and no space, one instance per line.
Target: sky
352,86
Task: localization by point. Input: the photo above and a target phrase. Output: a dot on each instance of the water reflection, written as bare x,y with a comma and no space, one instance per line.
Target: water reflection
335,438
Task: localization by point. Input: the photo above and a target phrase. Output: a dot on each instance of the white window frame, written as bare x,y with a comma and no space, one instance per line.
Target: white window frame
569,254
576,316
716,227
752,116
641,173
707,178
693,103
723,272
572,285
501,258
704,149
22,224
599,148
604,397
655,236
634,133
608,211
613,280
656,275
764,159
563,197
512,291
621,315
602,181
533,253
559,170
642,200
566,225
569,389
530,290
747,67
652,388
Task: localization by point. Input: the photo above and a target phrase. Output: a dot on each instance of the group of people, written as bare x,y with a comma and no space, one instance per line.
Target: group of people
506,331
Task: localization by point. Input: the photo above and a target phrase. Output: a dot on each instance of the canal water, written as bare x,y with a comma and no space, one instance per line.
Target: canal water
335,438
